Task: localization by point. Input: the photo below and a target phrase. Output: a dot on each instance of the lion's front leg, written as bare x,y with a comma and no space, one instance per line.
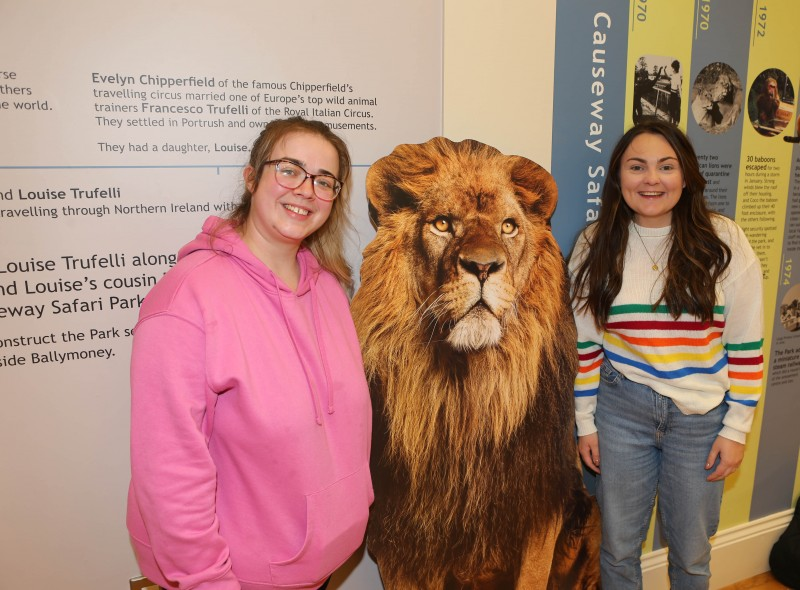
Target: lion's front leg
577,562
537,558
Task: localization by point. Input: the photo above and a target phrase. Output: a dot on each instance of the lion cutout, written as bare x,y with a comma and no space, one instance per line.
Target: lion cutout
470,350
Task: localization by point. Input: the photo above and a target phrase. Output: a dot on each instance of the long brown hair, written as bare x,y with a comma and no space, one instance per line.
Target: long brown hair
697,255
327,243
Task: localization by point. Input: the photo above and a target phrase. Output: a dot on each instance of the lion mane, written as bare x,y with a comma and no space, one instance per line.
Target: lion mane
470,350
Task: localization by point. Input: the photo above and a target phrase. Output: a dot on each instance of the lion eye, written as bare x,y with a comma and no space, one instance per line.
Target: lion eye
441,224
509,228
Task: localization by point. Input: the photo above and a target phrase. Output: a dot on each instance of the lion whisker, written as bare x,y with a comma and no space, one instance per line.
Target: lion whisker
434,309
424,301
431,332
434,312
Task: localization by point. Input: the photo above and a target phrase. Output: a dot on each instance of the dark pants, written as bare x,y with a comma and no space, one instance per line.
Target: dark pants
674,107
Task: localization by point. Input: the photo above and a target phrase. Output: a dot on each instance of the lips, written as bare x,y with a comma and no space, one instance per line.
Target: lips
297,210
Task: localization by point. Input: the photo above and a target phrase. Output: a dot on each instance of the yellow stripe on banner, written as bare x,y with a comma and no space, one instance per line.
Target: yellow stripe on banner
763,188
660,33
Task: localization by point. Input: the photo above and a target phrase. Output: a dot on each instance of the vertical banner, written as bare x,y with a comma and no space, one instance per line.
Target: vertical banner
588,107
658,61
717,96
727,73
716,124
124,125
768,212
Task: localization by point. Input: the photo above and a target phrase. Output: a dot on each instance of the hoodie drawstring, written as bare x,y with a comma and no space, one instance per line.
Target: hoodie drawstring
321,346
315,400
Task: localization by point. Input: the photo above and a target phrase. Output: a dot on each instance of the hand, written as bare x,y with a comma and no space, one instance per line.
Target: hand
730,455
589,448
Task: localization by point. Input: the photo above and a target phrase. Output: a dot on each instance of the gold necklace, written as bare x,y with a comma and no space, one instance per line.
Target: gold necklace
653,260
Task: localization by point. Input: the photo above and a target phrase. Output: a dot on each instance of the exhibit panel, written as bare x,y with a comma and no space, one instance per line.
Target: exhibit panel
124,126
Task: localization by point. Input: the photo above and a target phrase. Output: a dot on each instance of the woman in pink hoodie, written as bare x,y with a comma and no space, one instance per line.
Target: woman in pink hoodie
250,424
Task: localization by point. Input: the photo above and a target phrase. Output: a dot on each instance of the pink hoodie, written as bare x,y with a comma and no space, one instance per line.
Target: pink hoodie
250,424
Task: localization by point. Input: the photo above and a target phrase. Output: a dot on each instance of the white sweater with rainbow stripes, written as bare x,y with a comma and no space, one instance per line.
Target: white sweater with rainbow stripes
694,363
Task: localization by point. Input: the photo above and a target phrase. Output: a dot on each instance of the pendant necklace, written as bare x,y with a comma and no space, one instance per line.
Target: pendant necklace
653,260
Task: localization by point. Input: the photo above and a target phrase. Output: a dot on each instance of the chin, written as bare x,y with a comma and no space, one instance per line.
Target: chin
476,330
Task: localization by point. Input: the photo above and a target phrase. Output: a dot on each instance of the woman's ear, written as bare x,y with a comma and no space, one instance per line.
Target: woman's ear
249,176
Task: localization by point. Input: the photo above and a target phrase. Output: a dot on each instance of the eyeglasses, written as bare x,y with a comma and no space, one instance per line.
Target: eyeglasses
290,175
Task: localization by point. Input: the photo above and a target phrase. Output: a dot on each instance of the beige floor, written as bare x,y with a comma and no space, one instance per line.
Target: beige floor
761,582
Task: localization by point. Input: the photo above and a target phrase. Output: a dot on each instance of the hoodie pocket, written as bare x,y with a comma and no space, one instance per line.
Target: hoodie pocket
336,519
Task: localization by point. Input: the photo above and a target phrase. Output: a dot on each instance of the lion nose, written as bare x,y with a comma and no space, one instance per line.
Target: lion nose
481,269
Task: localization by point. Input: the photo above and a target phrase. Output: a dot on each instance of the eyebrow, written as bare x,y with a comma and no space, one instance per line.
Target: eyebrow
322,171
664,159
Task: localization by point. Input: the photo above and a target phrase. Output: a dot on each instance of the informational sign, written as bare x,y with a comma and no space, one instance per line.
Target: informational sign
124,126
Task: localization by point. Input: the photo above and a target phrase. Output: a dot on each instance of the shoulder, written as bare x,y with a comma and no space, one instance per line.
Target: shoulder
332,289
582,244
743,257
325,281
193,275
730,233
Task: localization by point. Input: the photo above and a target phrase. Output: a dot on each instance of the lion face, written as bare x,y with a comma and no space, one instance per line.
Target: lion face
475,250
703,102
721,90
475,220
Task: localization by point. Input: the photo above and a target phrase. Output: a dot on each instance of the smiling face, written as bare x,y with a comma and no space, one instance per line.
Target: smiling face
281,217
651,179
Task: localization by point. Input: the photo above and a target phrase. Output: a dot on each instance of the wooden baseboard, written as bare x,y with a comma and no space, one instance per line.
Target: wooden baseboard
736,553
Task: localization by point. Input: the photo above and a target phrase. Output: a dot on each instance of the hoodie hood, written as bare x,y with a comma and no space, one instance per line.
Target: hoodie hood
219,236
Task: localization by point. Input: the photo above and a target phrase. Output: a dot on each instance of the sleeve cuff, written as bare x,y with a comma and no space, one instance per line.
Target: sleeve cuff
733,434
585,424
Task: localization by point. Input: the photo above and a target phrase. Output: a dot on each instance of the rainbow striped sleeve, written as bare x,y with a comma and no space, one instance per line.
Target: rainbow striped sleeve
590,356
744,341
587,381
746,372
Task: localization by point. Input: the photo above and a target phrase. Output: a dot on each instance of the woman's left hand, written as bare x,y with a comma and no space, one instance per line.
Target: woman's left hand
730,455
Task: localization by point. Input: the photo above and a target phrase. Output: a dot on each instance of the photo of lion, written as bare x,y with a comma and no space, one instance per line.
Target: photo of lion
716,98
470,351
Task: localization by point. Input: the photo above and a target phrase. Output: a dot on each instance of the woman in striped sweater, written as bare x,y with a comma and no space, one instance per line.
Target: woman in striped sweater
668,304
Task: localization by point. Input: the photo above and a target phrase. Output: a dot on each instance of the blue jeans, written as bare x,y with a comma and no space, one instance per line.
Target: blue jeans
648,447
